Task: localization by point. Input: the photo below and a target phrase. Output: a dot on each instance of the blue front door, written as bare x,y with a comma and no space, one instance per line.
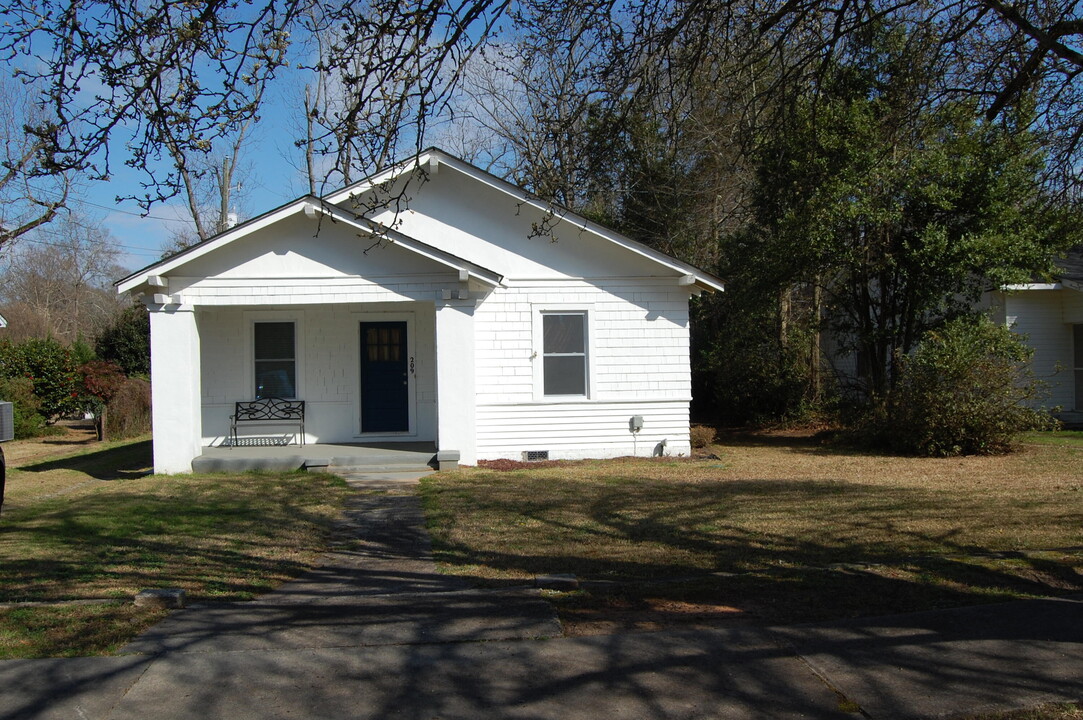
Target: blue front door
385,378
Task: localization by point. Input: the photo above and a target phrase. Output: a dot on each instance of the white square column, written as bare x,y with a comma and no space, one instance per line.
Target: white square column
176,414
455,379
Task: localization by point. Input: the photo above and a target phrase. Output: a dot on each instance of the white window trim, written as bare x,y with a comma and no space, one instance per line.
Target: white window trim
258,316
537,344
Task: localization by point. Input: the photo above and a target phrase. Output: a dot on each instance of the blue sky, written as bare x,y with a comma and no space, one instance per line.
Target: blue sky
270,180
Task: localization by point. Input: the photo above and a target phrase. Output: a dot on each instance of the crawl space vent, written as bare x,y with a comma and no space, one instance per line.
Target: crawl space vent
534,455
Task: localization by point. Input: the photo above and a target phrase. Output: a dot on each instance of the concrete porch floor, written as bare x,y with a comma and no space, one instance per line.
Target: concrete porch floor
389,457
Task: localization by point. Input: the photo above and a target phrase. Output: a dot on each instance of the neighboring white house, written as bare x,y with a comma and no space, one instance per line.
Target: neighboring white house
433,302
1050,316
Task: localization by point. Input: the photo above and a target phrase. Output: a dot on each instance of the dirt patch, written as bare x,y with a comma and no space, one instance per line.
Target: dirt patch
70,436
614,615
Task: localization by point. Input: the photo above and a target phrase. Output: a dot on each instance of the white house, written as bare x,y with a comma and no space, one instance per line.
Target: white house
1050,315
431,303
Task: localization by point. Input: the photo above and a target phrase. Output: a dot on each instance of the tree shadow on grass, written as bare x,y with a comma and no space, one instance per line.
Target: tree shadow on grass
115,463
867,556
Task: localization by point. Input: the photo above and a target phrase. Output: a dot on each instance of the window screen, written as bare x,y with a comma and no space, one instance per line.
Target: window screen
276,360
564,353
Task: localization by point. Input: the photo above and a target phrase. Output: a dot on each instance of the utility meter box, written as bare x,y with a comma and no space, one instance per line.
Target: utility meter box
7,422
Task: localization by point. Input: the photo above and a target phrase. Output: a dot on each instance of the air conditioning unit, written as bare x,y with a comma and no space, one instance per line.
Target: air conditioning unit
7,422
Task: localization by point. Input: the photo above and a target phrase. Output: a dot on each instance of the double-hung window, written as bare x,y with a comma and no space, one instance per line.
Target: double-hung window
564,354
275,359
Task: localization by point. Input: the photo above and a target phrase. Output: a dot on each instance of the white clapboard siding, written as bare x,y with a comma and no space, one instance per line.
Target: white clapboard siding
639,365
581,430
638,349
1038,315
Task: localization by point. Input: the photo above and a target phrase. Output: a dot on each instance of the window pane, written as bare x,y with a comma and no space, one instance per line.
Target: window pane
563,333
565,375
274,340
275,378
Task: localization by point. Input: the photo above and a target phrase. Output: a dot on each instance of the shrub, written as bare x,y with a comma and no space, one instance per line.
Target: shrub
702,436
127,341
967,389
19,391
128,412
48,364
101,381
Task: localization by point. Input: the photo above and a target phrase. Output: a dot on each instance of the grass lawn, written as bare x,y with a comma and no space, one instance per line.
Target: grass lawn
1063,438
1053,711
774,529
95,524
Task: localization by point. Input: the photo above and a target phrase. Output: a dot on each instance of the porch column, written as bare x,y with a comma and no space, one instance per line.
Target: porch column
176,415
455,396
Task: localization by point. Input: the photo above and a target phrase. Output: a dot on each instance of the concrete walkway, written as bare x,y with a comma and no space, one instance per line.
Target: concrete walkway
377,632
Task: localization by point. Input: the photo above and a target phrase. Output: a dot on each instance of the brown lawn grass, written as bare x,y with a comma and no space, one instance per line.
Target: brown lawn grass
808,531
96,524
1053,711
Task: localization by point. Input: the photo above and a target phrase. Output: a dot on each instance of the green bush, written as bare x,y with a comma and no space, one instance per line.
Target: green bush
49,365
127,341
967,389
19,391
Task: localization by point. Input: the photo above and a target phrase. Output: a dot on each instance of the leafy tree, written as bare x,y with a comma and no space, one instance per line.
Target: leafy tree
899,212
126,341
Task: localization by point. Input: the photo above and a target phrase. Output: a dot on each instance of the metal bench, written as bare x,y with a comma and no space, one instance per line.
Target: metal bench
266,411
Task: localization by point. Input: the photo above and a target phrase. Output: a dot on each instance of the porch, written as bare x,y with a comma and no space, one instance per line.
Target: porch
373,457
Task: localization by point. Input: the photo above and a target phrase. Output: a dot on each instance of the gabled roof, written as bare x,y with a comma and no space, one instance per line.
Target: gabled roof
428,161
313,207
433,160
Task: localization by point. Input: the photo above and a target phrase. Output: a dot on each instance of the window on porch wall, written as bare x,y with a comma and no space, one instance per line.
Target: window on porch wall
275,360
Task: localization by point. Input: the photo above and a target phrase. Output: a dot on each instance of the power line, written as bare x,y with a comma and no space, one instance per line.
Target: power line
44,231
